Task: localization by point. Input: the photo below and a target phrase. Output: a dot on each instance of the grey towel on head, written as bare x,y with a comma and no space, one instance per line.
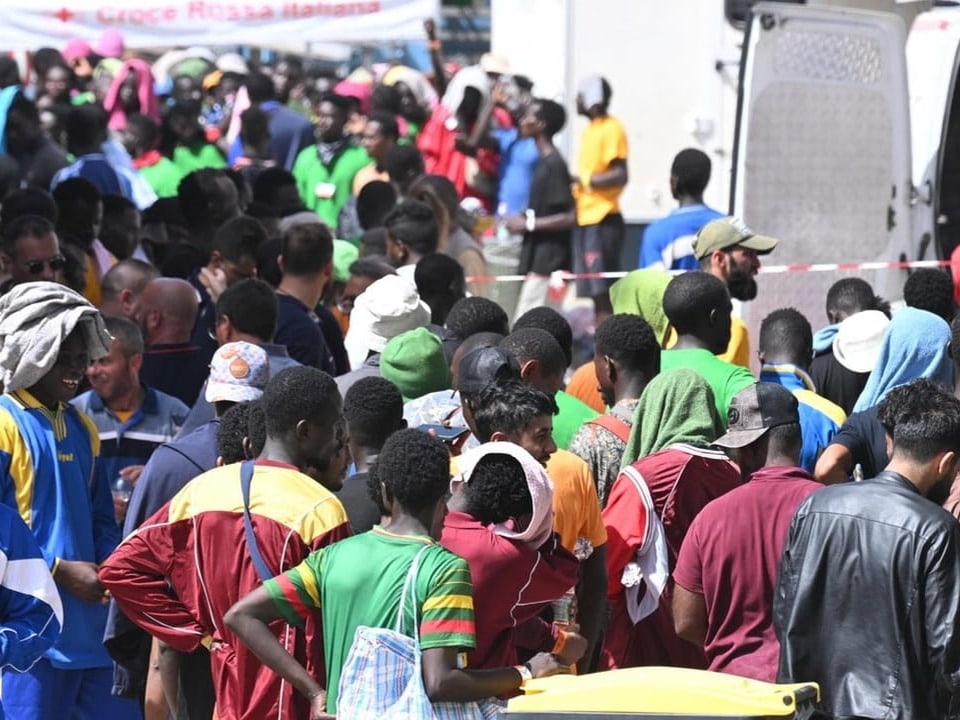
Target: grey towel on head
35,319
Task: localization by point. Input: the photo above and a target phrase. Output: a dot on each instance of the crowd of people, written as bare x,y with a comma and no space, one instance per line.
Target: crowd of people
245,337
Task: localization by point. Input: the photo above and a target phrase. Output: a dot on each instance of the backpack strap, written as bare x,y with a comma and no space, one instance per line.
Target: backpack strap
612,424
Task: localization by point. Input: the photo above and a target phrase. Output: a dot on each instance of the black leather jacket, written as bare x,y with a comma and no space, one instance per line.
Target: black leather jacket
868,601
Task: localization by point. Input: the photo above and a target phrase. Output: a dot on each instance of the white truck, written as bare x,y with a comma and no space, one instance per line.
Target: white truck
830,125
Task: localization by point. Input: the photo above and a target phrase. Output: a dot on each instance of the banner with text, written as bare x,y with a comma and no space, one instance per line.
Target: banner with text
181,23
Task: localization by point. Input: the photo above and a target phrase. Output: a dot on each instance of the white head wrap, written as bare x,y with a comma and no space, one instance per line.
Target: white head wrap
538,530
35,319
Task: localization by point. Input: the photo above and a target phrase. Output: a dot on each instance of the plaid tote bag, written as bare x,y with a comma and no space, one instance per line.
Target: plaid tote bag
382,680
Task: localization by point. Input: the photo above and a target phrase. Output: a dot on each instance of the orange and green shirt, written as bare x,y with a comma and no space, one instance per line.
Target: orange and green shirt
359,581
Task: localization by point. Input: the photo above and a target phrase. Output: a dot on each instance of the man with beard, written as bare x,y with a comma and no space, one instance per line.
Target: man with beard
730,251
880,554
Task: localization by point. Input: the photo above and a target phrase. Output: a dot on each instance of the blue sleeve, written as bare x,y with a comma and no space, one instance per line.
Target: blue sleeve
31,613
650,249
504,137
234,151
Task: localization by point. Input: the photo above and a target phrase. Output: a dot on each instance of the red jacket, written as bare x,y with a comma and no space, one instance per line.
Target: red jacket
180,572
682,480
512,584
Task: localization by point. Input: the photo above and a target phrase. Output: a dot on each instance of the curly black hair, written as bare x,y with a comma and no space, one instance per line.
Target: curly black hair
534,344
498,490
931,290
415,468
546,318
373,407
785,334
256,427
630,341
233,428
508,407
298,393
475,314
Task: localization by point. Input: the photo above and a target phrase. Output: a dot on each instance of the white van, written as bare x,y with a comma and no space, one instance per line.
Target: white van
837,131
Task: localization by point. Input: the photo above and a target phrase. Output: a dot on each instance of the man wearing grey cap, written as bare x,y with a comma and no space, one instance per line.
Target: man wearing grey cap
727,568
730,251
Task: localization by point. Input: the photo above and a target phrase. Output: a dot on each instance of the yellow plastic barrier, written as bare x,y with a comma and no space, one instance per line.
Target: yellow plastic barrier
660,692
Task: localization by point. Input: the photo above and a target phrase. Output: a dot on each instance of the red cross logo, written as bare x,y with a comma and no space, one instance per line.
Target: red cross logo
64,15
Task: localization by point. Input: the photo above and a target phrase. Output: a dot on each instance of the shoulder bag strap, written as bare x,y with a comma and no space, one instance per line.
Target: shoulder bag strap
409,593
613,424
246,476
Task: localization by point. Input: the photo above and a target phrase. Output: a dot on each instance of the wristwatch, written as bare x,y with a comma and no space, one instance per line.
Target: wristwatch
525,673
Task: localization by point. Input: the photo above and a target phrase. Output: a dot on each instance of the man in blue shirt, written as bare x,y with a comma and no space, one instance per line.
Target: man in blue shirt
668,243
290,132
132,419
786,349
48,473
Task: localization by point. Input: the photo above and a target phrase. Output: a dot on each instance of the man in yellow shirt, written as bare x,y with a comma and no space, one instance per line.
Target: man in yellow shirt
730,251
598,183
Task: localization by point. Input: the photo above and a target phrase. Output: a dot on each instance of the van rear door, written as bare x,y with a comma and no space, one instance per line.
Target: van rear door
822,154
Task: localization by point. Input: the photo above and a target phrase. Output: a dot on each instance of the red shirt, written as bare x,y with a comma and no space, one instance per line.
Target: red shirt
179,573
682,479
730,556
440,156
512,584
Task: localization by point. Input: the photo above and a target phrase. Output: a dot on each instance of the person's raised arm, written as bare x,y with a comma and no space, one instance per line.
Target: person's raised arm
436,60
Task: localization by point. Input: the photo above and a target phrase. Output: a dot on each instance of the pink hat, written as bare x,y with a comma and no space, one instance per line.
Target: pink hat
76,49
110,44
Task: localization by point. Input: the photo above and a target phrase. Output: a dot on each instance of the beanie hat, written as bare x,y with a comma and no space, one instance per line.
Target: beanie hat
415,363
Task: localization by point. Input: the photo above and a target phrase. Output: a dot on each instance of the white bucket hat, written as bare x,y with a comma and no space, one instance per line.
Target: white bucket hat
859,339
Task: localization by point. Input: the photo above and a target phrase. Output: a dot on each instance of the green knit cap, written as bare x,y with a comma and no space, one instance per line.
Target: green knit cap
414,362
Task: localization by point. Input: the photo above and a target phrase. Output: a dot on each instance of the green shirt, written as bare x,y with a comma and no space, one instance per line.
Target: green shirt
573,414
163,176
725,379
312,175
358,581
198,157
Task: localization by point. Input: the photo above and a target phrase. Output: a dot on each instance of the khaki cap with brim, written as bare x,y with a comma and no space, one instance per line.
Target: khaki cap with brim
730,232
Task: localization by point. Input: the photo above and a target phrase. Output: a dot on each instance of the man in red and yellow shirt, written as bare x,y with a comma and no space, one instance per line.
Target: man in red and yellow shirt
177,575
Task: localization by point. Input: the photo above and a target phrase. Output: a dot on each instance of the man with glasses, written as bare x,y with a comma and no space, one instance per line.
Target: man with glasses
730,251
31,251
48,460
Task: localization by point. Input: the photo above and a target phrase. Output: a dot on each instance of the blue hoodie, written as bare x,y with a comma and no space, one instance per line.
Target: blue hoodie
916,346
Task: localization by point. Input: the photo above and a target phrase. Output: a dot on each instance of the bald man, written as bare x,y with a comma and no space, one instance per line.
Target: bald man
171,363
122,286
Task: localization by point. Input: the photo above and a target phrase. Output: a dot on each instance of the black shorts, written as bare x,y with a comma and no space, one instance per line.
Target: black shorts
597,248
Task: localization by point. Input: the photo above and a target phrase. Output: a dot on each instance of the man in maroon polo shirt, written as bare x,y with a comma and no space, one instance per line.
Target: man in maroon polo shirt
727,569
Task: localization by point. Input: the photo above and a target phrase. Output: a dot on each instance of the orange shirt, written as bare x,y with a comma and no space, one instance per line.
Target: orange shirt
583,386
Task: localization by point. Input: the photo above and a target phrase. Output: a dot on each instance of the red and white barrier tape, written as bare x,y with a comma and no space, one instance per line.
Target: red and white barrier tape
561,276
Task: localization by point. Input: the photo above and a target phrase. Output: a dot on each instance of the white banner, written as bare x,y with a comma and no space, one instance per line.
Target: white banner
28,25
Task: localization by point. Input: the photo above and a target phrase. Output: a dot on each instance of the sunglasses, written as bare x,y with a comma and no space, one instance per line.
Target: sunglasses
56,264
